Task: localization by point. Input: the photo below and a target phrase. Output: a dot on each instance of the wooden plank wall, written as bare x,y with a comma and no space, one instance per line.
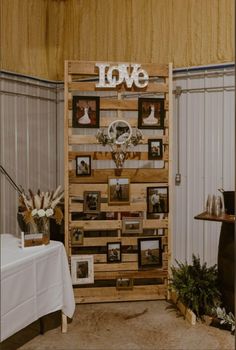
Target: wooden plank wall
148,284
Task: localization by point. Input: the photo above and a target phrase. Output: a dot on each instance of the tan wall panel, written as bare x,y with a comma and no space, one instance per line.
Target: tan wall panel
37,36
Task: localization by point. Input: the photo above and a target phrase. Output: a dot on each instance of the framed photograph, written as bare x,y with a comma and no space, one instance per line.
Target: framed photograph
92,202
157,200
151,113
149,252
118,190
82,269
83,165
114,252
132,225
77,237
155,149
120,131
85,112
124,283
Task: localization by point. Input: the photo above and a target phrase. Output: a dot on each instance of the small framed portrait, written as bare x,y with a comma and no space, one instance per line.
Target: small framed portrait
92,202
157,201
83,165
151,113
118,190
149,252
132,225
155,149
113,252
77,237
85,112
124,283
82,269
120,131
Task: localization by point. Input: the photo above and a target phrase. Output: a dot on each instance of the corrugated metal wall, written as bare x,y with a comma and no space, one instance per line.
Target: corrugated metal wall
206,156
28,140
32,149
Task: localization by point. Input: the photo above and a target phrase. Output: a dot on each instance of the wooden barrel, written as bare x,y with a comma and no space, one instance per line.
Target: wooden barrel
226,265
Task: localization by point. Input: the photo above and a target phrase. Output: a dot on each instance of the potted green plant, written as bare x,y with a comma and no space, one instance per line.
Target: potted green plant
196,286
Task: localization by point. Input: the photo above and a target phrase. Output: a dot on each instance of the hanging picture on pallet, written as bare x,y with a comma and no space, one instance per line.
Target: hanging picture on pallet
157,201
92,202
149,252
151,113
155,149
132,225
85,112
82,269
118,190
124,283
83,165
77,237
113,252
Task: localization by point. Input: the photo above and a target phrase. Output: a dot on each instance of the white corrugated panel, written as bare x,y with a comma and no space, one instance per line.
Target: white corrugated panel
28,141
206,157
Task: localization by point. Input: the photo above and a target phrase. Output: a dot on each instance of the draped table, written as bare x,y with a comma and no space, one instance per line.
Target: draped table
35,281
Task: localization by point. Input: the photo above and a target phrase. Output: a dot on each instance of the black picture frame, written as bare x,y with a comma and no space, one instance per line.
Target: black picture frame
157,201
155,149
92,202
151,113
85,111
149,252
83,165
113,252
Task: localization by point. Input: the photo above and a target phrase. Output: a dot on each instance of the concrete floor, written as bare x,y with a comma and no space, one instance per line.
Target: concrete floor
147,325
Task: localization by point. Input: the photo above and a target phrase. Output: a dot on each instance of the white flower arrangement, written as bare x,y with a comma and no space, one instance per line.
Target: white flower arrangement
41,205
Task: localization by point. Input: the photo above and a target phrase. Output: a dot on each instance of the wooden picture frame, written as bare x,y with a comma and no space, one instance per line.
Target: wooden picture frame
132,225
83,165
118,190
82,269
157,201
151,113
92,202
124,283
149,252
85,111
155,149
77,237
113,252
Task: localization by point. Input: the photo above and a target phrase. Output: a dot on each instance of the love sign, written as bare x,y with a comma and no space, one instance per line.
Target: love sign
111,76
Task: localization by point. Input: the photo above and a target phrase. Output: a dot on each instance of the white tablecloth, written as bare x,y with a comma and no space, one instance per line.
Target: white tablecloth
35,281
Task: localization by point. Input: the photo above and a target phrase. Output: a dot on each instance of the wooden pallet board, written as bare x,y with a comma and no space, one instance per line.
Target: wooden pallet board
119,102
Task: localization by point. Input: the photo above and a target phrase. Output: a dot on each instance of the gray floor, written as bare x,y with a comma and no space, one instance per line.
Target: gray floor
147,325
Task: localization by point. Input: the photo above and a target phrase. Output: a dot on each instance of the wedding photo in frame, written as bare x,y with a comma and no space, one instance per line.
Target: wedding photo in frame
149,252
157,201
151,113
92,202
83,165
77,237
82,269
85,112
118,190
113,252
155,149
132,225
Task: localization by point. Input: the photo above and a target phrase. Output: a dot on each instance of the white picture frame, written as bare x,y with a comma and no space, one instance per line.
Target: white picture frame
82,269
